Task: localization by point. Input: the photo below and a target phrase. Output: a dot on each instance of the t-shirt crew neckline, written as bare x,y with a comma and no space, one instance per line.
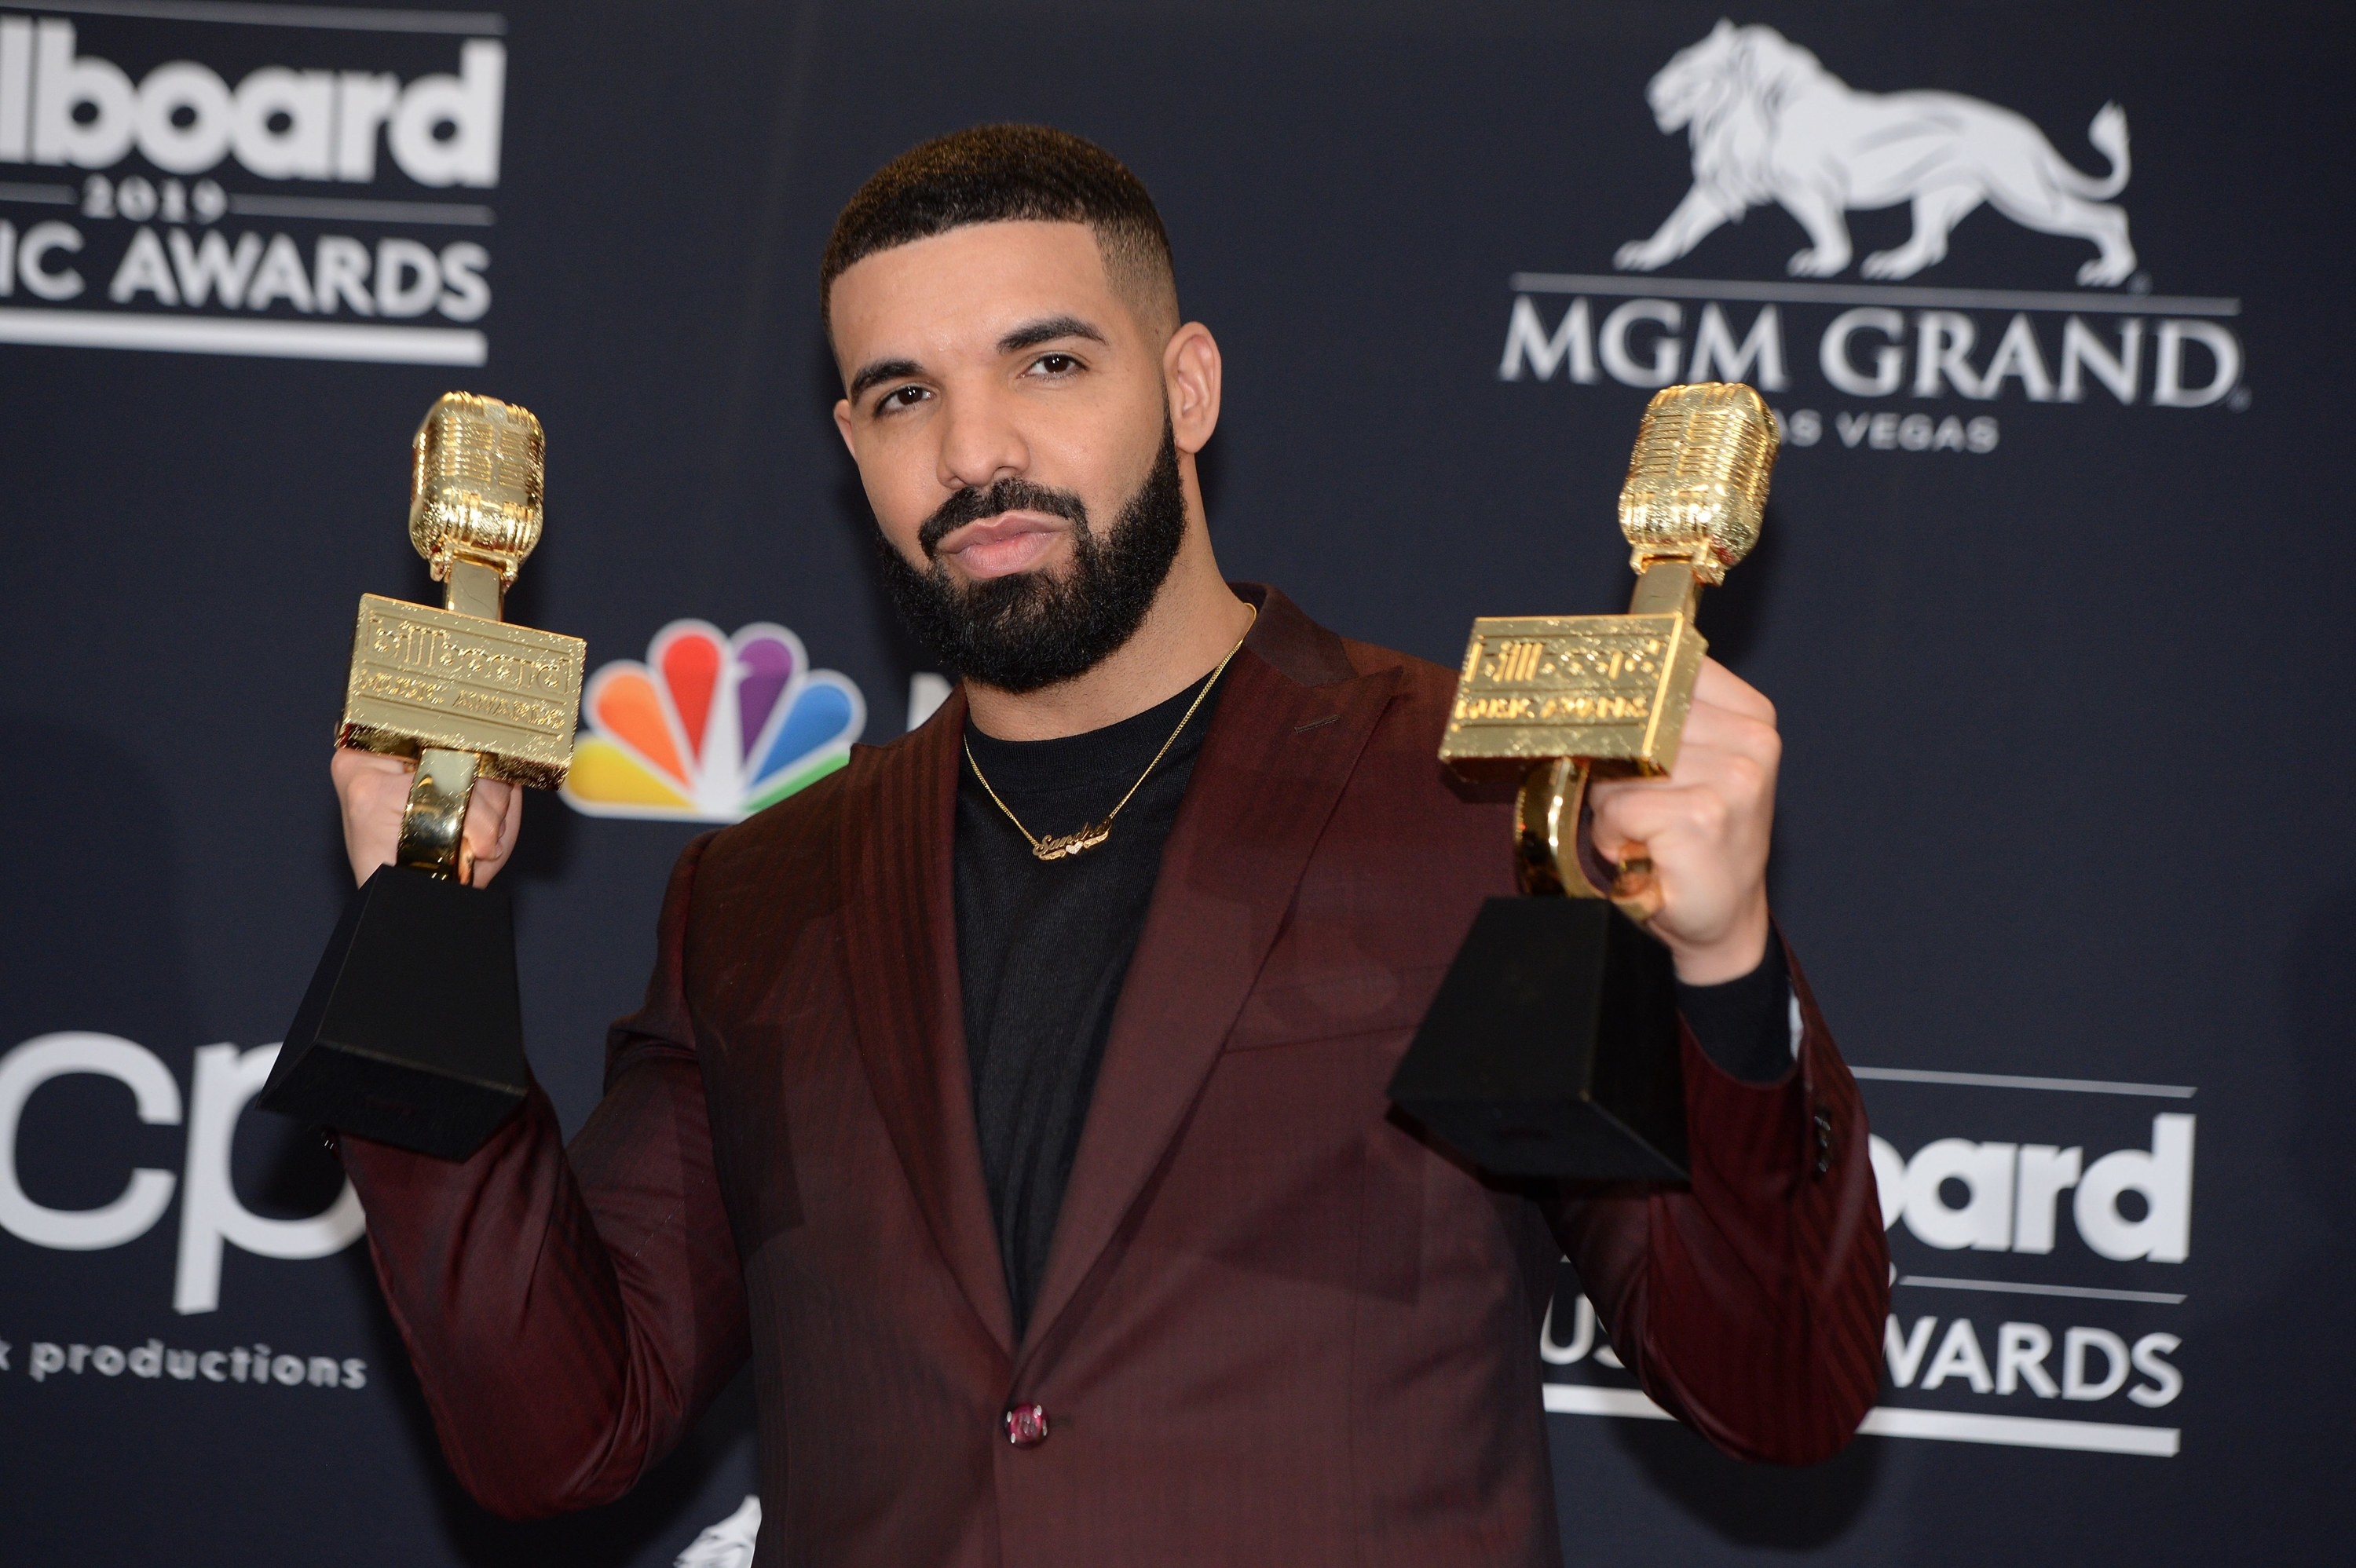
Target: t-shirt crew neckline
1114,754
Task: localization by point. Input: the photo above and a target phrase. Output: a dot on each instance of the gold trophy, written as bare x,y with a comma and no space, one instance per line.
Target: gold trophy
458,688
1552,1046
412,1032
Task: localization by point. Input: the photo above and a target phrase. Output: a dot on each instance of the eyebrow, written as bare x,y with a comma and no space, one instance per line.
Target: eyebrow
1046,330
1028,336
877,370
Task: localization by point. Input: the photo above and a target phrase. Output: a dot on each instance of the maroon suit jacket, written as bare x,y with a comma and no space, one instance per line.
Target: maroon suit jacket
1276,1326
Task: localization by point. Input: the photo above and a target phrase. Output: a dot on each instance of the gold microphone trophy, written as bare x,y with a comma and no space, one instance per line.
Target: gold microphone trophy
1552,1046
412,1032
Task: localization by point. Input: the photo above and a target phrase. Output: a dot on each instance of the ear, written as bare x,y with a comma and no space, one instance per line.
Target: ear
1190,379
1725,29
842,425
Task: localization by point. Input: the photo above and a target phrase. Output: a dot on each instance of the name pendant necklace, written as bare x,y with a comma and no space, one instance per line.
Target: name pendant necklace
1063,845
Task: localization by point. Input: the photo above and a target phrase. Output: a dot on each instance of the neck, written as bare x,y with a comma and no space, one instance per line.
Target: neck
1195,619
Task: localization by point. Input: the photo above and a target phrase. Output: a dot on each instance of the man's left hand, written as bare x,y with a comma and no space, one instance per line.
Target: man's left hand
1706,828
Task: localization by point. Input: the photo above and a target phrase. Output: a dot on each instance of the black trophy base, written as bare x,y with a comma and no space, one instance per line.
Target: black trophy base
412,1032
1552,1048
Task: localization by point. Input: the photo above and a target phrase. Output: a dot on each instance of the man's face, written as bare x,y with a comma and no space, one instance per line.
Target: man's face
1008,411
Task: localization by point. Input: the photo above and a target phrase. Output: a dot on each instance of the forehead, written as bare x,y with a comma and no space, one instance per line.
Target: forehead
962,290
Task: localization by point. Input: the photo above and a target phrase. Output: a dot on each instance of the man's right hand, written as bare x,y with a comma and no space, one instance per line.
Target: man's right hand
372,788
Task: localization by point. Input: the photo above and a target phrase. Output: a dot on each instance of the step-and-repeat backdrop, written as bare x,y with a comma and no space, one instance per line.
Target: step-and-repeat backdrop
2052,305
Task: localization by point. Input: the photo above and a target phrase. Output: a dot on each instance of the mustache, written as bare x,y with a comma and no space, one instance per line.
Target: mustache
994,499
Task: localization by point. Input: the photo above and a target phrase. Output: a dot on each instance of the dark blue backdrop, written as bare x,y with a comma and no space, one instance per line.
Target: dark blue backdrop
2056,624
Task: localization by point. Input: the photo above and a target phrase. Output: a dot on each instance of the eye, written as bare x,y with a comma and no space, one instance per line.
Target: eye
1055,364
901,398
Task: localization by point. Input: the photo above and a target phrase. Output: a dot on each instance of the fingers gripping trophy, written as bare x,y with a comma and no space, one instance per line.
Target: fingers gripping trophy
1552,1046
412,1031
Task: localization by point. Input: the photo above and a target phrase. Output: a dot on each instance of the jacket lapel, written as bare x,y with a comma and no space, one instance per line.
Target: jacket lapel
1277,758
900,945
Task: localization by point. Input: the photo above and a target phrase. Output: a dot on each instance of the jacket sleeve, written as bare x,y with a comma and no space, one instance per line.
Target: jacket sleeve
1750,1306
570,1313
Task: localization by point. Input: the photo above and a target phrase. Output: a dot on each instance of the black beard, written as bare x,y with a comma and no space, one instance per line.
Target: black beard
1031,629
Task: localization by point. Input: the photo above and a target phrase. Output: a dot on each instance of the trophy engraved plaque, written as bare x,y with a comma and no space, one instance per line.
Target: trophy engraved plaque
1551,1049
412,1031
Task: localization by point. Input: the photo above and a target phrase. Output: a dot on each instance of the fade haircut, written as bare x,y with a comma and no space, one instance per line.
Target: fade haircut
1003,174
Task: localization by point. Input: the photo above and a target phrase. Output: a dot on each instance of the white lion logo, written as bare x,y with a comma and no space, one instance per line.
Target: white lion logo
1770,124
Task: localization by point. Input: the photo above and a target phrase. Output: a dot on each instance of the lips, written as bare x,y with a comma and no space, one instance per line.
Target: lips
1003,545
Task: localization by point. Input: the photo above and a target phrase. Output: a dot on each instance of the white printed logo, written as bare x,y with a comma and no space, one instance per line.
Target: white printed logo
61,107
729,1543
2072,1342
2011,1194
1770,124
211,1215
179,231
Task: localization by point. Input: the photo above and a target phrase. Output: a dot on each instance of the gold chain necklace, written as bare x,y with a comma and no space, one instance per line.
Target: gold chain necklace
1063,845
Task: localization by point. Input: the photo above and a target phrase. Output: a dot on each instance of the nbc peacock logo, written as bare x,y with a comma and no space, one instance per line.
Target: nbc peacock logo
711,728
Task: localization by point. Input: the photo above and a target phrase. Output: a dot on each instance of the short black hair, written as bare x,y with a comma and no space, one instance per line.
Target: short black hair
1004,173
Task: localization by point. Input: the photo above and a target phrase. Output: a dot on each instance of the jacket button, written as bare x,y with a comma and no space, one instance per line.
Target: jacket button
1027,1425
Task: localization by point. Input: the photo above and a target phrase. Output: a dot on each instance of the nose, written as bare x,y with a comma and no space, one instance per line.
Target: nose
980,442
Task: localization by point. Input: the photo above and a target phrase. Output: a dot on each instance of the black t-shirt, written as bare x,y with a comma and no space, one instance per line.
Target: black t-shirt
1043,946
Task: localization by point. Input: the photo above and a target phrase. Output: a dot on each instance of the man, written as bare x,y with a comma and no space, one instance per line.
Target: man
1014,1096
